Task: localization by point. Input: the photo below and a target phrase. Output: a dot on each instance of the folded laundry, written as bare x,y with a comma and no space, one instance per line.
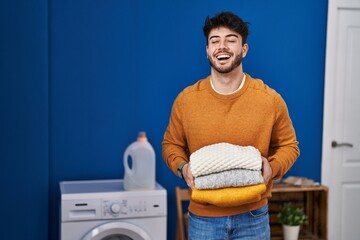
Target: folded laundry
224,156
229,197
229,178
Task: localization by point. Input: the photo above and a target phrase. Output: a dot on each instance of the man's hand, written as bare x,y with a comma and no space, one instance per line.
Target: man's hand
266,170
189,178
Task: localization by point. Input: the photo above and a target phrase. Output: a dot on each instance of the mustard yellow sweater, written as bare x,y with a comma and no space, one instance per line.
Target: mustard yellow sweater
255,115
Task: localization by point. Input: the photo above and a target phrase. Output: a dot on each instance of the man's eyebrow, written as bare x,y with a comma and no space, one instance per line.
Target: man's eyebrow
215,36
229,35
232,35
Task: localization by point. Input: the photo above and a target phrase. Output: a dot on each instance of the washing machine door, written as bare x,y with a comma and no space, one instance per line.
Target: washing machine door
117,231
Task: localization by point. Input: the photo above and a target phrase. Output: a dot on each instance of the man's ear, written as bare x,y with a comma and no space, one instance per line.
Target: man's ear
245,49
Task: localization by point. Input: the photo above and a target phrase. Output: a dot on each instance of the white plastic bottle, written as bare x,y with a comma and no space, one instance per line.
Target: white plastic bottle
141,175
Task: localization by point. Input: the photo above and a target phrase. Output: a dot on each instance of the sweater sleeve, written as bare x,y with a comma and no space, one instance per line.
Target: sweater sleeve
174,147
284,149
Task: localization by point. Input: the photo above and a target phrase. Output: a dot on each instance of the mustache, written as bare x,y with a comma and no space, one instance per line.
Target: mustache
222,51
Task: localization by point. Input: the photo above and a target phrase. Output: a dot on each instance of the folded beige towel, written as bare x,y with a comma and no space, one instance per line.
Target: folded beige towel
224,156
229,197
229,178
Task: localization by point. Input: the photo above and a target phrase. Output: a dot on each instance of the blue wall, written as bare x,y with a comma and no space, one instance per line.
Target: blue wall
79,79
24,165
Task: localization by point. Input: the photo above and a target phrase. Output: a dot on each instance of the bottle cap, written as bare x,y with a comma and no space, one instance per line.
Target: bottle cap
142,136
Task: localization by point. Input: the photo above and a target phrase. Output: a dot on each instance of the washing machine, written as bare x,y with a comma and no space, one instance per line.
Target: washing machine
103,210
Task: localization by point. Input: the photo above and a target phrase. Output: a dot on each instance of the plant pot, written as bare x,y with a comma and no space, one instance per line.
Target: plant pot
291,232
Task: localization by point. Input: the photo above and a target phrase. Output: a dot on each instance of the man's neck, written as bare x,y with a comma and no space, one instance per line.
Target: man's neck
226,83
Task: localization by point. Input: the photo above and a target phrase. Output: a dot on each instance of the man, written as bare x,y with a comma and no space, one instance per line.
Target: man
232,107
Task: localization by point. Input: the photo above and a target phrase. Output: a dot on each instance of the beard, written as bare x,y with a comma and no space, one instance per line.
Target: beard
237,61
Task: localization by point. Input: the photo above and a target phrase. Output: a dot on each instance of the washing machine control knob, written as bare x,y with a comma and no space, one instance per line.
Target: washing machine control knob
115,208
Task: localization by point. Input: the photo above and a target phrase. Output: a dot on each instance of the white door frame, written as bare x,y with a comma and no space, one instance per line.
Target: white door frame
327,172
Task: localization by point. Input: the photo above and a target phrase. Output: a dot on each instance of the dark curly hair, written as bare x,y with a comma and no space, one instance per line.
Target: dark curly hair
228,20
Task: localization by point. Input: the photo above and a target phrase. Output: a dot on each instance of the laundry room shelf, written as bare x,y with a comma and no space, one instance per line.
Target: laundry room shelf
314,201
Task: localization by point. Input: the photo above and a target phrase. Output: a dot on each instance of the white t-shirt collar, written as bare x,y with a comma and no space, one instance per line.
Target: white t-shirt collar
238,89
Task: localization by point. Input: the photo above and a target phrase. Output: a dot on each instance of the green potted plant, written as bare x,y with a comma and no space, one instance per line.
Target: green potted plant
291,218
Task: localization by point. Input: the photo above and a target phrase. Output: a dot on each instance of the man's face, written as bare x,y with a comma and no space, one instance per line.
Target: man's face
225,50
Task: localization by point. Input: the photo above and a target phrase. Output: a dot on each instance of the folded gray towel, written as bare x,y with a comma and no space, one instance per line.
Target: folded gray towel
229,178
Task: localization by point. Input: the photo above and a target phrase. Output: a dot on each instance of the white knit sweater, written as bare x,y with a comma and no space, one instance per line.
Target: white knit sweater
224,156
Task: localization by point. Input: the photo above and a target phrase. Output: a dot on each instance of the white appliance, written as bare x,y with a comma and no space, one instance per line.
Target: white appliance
103,210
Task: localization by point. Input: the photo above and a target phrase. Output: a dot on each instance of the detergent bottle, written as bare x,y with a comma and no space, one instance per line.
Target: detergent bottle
141,174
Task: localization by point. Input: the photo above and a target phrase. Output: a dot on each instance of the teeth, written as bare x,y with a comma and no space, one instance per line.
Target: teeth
223,56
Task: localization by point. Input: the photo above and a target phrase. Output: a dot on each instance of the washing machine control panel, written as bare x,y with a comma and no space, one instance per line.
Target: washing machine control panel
134,207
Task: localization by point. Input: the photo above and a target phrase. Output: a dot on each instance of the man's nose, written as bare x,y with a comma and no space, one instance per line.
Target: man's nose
222,45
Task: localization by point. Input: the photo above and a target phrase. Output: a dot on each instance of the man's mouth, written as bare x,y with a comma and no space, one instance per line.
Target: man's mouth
222,56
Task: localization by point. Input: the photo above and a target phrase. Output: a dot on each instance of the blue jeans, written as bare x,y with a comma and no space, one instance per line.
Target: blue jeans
252,225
